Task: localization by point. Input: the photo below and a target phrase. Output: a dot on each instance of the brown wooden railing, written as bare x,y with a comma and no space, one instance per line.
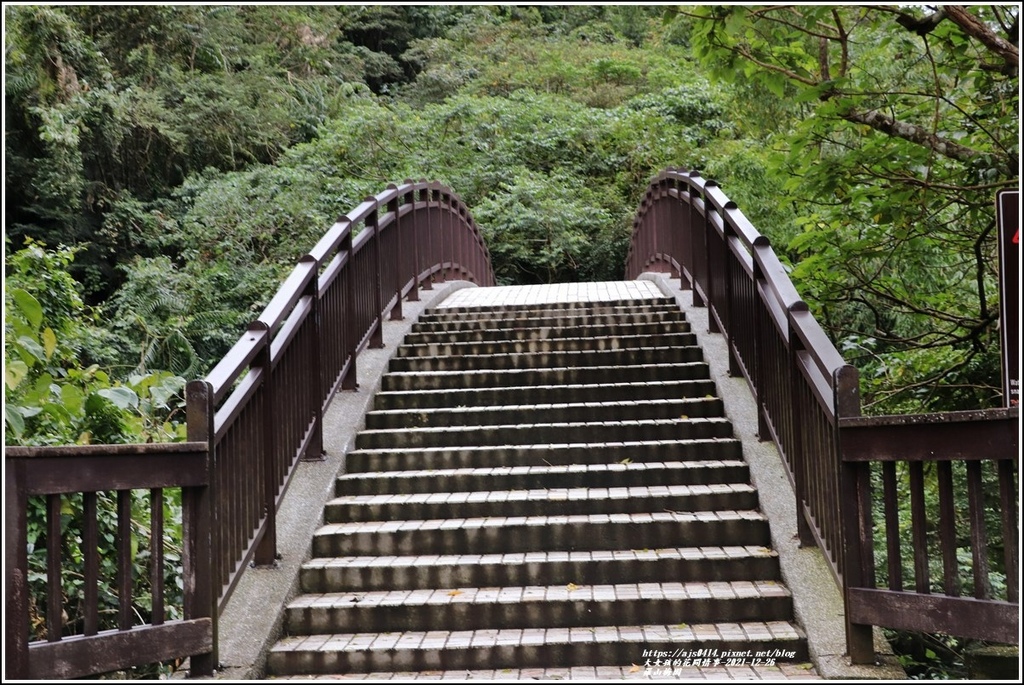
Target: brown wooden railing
809,405
972,453
261,407
60,474
250,421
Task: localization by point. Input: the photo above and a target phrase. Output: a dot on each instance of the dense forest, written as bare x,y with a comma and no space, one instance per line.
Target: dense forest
165,166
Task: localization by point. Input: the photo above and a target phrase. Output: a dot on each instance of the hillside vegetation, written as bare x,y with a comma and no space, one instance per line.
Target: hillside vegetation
167,165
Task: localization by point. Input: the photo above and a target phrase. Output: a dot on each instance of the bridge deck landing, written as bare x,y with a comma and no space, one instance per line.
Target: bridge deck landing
604,291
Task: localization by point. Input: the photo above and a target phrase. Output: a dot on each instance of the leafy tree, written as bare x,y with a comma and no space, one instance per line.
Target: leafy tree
908,126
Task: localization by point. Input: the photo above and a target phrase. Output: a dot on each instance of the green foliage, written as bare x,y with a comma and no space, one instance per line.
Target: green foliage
111,105
894,247
50,397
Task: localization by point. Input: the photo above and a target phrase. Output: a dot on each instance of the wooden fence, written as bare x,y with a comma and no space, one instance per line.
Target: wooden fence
254,417
809,405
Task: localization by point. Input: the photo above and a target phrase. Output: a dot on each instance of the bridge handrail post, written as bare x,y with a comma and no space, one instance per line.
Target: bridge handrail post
372,223
350,381
393,209
16,604
315,450
409,198
855,513
200,555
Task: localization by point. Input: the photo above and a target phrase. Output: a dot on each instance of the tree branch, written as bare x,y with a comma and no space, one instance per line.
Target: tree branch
973,27
910,132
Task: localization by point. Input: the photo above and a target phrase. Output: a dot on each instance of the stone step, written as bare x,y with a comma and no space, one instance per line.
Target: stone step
541,501
687,669
593,392
680,564
539,433
491,378
583,331
567,412
501,534
520,477
560,309
546,360
519,648
611,320
564,605
541,488
582,453
547,345
517,310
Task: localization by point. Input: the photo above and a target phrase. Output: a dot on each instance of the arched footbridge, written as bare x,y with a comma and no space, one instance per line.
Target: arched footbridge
401,468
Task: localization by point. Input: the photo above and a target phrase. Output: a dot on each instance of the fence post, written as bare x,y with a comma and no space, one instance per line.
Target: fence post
730,328
798,456
16,562
761,329
200,557
441,226
315,448
855,513
373,224
428,240
348,317
396,311
266,550
696,219
410,199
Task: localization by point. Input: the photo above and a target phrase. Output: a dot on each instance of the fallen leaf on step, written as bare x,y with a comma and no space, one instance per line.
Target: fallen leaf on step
572,586
454,593
634,669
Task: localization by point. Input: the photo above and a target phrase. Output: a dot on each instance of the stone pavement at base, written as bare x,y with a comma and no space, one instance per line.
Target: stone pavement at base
599,673
511,295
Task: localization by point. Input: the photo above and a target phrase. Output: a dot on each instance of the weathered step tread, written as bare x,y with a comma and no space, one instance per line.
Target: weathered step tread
590,331
583,358
613,342
544,495
547,469
541,432
560,500
489,378
536,319
685,407
478,397
566,604
639,518
680,564
589,305
325,653
600,474
510,558
684,672
568,592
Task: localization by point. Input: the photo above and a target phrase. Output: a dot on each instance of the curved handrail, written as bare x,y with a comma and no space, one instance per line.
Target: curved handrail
261,406
809,405
689,226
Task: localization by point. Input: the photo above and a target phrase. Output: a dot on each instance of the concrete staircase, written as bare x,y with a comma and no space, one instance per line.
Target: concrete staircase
538,488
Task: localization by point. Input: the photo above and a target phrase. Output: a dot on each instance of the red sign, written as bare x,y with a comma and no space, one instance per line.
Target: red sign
1008,221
